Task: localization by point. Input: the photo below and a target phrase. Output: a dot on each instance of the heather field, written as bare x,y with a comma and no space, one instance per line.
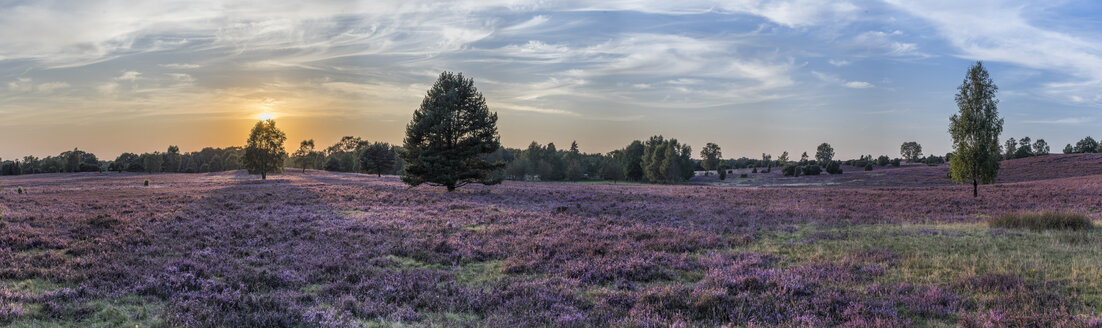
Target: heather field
893,247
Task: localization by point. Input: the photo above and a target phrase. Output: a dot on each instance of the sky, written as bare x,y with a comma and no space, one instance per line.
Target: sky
752,76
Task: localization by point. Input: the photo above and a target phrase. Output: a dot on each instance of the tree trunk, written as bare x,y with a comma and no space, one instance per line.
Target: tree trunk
975,188
263,176
304,169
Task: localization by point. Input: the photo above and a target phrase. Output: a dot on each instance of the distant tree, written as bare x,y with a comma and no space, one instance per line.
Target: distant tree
783,159
1069,149
304,155
722,171
633,161
1010,149
824,153
378,158
574,147
448,136
172,159
766,160
975,130
612,167
710,156
264,149
1025,148
883,160
1040,147
833,167
911,151
153,163
803,159
1086,145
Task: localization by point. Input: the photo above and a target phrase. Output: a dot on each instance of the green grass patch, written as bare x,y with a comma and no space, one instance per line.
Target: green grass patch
30,286
127,311
941,254
480,274
1045,220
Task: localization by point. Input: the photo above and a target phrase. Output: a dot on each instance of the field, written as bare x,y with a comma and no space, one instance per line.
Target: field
892,247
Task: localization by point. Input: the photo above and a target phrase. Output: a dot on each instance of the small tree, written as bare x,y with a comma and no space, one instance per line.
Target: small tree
975,130
911,151
378,158
450,135
824,154
1040,147
303,156
1010,149
781,160
1068,149
710,155
264,150
803,159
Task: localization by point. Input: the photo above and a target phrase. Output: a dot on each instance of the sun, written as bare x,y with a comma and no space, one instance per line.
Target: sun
266,116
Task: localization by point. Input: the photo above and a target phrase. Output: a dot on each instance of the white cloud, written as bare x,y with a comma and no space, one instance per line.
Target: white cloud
1068,121
180,66
129,76
181,77
839,81
51,86
22,84
838,62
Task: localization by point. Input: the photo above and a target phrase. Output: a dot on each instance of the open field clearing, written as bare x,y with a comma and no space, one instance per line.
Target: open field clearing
351,250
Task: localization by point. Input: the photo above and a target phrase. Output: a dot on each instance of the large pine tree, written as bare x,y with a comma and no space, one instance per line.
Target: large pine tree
450,135
975,130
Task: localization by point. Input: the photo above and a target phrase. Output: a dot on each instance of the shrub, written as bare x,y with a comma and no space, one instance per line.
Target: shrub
790,170
883,160
147,182
868,166
19,190
723,173
895,162
1044,220
744,175
812,170
755,170
834,167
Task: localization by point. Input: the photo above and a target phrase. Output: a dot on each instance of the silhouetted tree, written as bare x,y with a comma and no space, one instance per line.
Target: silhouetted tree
975,130
911,151
377,158
1069,149
633,161
1040,147
1010,149
1086,145
449,135
710,156
824,153
264,149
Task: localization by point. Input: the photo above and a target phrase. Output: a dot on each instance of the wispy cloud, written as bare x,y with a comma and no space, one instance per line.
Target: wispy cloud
1068,121
831,79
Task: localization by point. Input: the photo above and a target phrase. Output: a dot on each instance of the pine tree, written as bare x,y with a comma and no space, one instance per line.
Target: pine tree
450,135
377,158
264,150
975,130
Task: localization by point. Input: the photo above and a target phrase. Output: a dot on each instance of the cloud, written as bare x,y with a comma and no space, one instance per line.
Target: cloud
534,22
51,86
1003,31
180,66
129,76
22,84
838,62
1063,121
838,81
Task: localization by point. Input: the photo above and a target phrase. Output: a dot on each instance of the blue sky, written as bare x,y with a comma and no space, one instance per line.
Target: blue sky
751,76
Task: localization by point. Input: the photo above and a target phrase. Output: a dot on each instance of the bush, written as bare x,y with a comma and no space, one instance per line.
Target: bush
812,170
19,190
790,170
834,167
883,160
1045,220
744,175
895,162
755,170
868,167
723,173
147,182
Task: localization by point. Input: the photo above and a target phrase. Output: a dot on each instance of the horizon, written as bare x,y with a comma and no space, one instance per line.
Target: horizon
864,76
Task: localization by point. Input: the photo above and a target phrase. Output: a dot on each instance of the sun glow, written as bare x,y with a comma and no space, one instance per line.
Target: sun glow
266,116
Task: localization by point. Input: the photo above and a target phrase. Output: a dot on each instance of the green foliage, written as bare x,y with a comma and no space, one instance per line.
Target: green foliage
710,156
378,158
1086,145
723,172
1010,148
883,160
755,170
868,166
813,170
1045,220
834,167
975,130
1040,147
264,149
895,162
744,175
146,183
1069,149
911,151
633,160
306,157
790,170
449,136
19,190
824,153
666,160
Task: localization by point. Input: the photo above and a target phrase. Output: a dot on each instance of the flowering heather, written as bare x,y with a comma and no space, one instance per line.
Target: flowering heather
347,250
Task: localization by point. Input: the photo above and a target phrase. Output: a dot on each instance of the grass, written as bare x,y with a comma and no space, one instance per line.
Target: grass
1045,220
126,311
941,254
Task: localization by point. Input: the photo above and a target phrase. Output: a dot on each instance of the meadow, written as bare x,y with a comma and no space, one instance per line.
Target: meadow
893,247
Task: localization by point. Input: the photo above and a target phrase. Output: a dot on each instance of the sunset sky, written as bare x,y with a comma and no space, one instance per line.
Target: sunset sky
751,76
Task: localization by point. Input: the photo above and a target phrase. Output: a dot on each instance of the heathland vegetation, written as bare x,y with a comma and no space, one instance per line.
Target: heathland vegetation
873,242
